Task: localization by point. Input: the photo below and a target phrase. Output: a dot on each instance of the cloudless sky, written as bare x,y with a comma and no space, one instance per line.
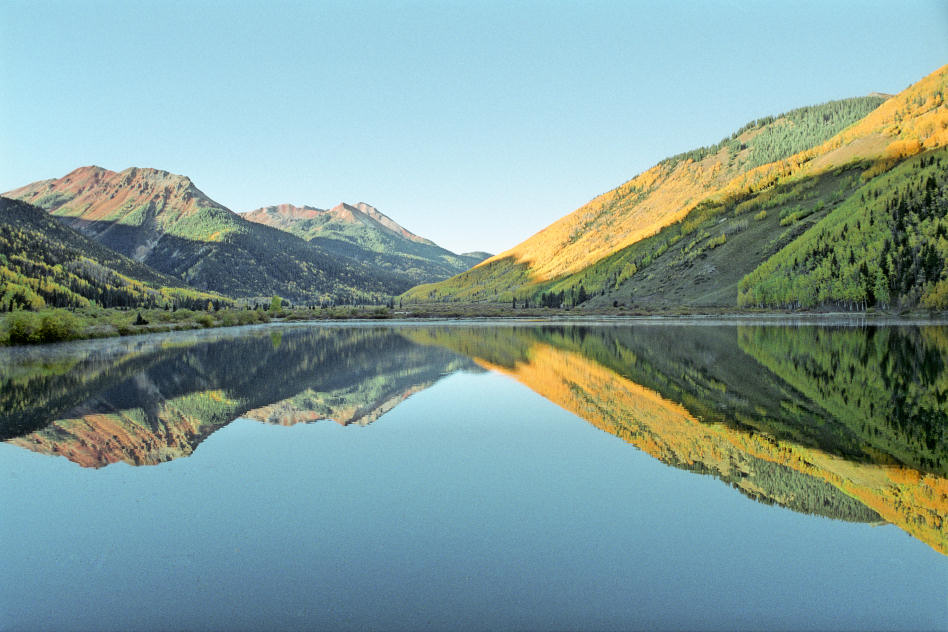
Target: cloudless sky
474,124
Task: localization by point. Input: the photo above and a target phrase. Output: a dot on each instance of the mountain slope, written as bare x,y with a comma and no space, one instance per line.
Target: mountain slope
365,234
604,246
164,221
45,263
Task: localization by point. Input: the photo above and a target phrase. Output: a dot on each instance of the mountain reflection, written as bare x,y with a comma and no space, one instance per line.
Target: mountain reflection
157,402
850,423
844,422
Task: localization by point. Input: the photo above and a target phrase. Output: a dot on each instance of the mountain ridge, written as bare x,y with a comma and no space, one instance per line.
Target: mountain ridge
164,221
366,234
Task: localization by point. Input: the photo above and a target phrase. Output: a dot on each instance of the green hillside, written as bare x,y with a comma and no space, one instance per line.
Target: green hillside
885,245
572,251
841,239
44,263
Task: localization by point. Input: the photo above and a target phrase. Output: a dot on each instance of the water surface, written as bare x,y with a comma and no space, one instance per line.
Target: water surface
545,476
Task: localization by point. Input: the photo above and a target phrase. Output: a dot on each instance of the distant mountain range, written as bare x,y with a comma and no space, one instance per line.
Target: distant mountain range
841,204
363,233
163,221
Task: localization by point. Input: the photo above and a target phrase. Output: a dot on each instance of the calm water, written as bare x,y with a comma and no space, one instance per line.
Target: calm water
652,475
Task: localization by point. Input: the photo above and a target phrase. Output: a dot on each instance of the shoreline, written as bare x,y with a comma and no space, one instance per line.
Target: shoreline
205,321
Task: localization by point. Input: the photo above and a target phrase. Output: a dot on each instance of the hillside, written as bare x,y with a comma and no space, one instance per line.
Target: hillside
44,263
682,233
363,233
164,221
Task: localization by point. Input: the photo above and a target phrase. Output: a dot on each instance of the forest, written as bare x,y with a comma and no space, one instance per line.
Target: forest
885,246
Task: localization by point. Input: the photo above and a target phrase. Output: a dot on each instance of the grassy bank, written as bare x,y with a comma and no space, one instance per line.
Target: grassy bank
58,325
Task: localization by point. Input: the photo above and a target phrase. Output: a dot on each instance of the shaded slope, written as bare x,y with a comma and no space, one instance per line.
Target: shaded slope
886,245
45,263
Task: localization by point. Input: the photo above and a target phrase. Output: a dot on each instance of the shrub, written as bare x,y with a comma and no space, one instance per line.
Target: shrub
58,325
228,318
23,327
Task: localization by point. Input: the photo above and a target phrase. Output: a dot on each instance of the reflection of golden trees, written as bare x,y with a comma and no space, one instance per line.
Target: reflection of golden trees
915,501
628,382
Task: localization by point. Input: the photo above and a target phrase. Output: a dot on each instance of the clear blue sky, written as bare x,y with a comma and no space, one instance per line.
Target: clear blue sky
472,123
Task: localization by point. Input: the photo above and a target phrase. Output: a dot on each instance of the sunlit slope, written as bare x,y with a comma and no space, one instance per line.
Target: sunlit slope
800,144
361,223
851,238
774,470
146,198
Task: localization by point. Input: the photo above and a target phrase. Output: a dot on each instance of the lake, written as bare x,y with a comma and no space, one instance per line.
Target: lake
652,474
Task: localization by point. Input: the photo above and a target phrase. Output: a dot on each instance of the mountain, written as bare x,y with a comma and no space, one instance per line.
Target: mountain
690,229
164,221
363,233
44,263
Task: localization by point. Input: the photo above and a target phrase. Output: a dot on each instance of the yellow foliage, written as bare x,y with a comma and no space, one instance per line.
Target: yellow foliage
903,148
937,297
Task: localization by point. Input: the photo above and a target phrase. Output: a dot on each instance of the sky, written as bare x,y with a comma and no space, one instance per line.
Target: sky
473,123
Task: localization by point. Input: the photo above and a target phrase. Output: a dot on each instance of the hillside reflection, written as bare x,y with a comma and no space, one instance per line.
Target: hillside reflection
844,422
850,423
157,401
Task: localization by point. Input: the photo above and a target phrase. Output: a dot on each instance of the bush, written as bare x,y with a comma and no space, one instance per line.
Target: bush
246,317
205,320
229,318
59,325
23,328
